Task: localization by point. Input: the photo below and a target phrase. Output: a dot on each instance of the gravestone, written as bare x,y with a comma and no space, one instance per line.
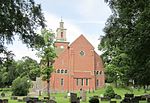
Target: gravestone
1,101
51,101
129,95
14,98
5,100
105,98
117,97
73,98
148,100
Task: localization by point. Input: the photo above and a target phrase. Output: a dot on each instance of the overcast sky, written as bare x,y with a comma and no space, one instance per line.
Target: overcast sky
85,17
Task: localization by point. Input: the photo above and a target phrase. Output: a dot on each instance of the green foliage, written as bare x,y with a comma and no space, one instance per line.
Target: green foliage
3,94
94,100
47,54
127,32
20,86
109,92
28,67
20,18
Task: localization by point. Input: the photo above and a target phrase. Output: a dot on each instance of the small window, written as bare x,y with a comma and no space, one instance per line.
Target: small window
62,82
87,82
62,71
65,71
58,71
97,72
82,82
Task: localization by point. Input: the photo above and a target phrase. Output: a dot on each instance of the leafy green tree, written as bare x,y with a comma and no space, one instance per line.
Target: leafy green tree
20,86
128,29
109,92
22,18
47,54
28,67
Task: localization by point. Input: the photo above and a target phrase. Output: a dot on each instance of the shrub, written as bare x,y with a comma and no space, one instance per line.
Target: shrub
3,94
20,86
94,100
109,92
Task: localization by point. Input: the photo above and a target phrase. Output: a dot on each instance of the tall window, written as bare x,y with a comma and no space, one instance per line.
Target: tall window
82,81
97,82
87,82
77,81
61,34
62,82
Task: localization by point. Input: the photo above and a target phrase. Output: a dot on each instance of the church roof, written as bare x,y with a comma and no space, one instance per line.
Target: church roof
80,40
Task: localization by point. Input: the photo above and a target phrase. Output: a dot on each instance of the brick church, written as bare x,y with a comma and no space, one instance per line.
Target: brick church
77,66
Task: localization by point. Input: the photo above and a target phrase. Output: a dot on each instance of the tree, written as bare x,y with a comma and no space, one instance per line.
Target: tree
47,54
128,29
22,18
20,86
28,67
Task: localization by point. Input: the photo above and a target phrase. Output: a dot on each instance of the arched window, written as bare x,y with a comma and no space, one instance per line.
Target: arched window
58,71
97,82
62,71
61,34
62,82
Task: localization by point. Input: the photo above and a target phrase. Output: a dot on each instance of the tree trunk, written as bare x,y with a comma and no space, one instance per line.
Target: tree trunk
48,89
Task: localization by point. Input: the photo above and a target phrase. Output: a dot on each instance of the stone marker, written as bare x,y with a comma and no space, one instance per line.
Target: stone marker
73,98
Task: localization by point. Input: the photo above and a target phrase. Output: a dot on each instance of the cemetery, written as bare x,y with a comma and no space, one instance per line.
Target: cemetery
122,95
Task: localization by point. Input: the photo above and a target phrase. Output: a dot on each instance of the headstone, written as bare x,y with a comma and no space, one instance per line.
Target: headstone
117,97
73,98
105,98
5,100
20,100
1,101
46,98
25,99
14,98
148,100
30,101
51,101
129,95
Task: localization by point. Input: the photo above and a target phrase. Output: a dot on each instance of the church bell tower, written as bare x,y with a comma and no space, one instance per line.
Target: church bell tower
61,32
61,43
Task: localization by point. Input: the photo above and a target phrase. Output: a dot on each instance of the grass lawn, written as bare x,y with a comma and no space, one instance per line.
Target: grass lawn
60,96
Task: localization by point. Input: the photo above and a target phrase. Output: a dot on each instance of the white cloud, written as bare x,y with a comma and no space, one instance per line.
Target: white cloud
93,10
